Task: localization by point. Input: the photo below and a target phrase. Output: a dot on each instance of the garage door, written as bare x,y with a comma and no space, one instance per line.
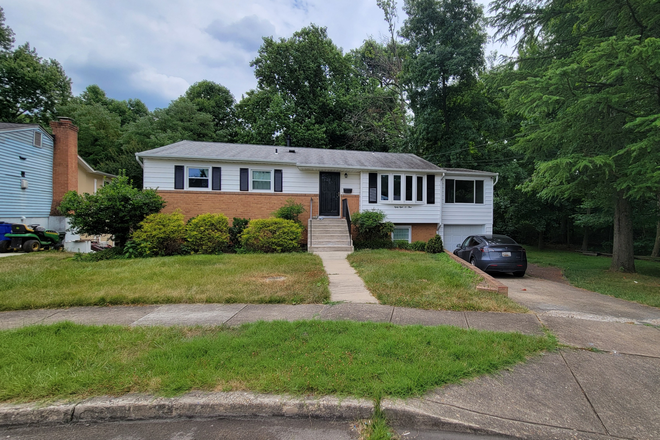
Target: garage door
455,234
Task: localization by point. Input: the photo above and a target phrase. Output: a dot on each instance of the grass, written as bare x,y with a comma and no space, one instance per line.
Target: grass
592,273
370,360
425,281
51,279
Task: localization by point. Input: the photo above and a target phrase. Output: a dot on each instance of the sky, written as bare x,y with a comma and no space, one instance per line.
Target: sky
155,49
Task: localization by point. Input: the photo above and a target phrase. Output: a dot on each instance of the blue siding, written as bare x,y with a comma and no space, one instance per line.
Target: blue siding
35,201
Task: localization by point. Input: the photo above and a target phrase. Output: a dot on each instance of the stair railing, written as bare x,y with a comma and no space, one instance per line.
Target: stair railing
347,214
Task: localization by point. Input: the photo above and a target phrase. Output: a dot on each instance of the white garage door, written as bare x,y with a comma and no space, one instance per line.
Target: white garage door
455,234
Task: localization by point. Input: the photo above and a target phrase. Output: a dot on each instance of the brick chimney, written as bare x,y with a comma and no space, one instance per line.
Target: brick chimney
65,160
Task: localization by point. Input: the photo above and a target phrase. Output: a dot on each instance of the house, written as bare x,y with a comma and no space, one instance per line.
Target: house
37,169
252,181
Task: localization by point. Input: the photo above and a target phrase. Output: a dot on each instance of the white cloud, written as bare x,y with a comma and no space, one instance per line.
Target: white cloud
154,83
247,33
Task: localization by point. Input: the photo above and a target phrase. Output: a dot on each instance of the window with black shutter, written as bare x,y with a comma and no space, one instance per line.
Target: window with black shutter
245,179
178,176
278,181
216,178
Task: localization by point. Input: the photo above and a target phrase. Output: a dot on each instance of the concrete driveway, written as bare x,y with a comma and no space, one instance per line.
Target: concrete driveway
555,299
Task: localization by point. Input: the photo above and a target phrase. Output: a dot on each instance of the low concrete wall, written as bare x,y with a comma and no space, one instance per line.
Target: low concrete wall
489,283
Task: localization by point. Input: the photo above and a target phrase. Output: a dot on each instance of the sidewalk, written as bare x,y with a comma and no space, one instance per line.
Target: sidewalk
604,385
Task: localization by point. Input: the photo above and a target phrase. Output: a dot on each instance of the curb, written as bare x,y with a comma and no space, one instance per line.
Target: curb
491,284
192,405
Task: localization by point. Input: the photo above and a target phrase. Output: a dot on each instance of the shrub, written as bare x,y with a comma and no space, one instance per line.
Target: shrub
419,246
113,253
434,245
161,234
382,243
208,234
290,211
238,225
272,235
371,225
402,244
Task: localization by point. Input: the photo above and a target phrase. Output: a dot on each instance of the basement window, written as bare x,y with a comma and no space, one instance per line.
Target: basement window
401,233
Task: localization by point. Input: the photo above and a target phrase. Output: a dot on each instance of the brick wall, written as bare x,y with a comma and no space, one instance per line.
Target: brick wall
423,231
241,204
65,160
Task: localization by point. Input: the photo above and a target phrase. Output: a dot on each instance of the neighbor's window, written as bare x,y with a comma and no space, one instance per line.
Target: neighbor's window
401,233
261,180
198,177
464,191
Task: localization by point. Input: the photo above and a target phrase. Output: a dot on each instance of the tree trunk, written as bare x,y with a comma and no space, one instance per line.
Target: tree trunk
585,236
623,258
656,246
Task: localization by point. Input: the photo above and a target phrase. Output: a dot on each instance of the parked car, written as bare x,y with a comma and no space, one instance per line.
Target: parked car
494,253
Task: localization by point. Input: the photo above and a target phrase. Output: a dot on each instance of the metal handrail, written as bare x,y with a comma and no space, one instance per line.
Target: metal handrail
347,214
309,224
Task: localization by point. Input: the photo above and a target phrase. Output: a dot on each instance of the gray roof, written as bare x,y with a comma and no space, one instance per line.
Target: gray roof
17,126
300,157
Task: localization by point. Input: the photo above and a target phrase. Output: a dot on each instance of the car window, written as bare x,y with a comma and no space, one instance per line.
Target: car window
501,240
465,243
473,242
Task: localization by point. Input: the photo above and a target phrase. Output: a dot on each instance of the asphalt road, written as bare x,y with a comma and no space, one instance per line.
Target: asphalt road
214,429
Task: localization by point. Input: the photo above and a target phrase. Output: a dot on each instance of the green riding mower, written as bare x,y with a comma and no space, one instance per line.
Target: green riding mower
31,238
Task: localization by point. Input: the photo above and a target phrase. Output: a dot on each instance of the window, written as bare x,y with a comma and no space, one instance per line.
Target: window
401,188
397,188
409,188
198,177
420,189
464,191
261,180
37,139
401,233
384,187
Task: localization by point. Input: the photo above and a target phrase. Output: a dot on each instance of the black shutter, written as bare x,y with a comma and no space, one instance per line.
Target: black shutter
449,191
479,193
216,178
178,176
278,181
245,179
430,189
373,187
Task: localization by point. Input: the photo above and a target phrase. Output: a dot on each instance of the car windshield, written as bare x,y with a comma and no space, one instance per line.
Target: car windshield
501,240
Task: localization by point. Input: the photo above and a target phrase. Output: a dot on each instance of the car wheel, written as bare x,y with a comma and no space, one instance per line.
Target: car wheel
31,246
473,261
519,274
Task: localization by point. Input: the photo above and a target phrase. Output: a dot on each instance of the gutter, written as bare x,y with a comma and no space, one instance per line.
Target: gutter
138,160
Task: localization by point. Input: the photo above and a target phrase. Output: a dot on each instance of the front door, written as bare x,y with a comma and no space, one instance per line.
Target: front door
329,194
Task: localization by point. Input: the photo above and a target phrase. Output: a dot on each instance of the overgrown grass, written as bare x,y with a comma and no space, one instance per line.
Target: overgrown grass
592,273
425,281
51,279
344,358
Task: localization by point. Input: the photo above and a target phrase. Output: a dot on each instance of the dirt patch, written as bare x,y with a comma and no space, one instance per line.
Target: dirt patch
549,273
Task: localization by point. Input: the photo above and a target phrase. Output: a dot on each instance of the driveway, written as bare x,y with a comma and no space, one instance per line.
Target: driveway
559,299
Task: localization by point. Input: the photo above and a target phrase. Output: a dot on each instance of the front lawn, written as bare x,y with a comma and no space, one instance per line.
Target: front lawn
51,279
425,281
592,273
371,360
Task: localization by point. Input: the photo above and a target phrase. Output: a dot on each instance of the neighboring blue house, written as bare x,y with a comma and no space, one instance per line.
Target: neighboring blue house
26,173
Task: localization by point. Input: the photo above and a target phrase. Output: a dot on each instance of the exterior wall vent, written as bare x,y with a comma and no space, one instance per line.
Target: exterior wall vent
37,139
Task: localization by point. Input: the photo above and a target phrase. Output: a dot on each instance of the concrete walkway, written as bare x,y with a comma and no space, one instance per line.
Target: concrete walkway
345,284
604,384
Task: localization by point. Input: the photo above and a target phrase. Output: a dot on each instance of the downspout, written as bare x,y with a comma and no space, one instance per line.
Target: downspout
497,178
440,228
138,160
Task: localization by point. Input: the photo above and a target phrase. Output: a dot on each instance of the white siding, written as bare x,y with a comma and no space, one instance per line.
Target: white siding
159,173
468,213
407,213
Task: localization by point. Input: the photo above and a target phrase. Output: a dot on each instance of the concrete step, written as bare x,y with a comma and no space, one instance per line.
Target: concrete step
331,249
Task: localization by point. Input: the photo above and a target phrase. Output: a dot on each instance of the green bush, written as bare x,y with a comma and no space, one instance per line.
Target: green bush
371,225
290,211
402,244
272,235
161,234
382,243
208,234
238,225
434,245
419,246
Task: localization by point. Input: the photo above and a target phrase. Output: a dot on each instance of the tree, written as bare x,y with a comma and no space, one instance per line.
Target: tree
117,208
587,88
303,90
6,34
217,101
444,40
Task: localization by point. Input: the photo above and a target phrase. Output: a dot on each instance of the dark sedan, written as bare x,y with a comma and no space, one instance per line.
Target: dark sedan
494,253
